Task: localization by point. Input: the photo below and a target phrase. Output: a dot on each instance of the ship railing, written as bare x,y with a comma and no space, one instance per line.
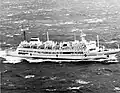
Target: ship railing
53,48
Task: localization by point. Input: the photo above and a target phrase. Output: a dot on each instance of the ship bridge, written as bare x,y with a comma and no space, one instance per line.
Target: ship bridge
35,40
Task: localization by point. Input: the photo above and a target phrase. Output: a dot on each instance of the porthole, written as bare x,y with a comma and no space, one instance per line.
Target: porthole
107,55
85,55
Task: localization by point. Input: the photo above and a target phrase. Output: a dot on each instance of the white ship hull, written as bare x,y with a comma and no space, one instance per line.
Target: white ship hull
36,54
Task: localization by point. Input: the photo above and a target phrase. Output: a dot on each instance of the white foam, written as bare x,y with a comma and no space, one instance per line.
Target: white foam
117,88
51,89
30,76
10,59
81,81
72,88
53,78
34,60
2,53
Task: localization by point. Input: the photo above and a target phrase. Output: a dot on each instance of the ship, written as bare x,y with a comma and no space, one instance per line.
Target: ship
71,51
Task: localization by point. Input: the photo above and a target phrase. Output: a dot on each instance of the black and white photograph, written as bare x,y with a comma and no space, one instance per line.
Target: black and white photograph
59,46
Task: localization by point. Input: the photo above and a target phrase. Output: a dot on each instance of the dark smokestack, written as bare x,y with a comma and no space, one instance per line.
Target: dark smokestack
24,34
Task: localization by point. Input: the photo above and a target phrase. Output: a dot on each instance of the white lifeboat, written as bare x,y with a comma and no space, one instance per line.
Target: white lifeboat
24,44
49,44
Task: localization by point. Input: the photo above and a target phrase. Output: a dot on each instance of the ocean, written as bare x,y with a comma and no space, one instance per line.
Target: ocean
61,18
50,77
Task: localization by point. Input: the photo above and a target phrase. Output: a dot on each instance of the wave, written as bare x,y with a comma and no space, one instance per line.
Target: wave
13,60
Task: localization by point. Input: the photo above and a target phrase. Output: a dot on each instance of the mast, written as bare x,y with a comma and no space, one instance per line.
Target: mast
24,33
47,36
98,44
83,36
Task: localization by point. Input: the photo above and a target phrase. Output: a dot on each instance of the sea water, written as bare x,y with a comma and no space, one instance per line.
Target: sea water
49,77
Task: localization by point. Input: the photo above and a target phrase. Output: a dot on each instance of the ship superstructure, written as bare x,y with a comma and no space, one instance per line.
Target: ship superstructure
77,50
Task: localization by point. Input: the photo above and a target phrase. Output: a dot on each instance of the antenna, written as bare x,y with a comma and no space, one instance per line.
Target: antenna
98,42
47,36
